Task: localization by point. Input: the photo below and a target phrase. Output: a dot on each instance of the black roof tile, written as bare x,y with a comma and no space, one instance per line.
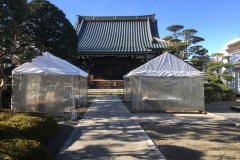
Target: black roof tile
117,34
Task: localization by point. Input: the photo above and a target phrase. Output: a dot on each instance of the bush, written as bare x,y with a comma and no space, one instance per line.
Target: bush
217,92
227,93
23,134
210,94
23,149
30,125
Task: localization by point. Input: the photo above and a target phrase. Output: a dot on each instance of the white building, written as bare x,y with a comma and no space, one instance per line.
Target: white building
232,48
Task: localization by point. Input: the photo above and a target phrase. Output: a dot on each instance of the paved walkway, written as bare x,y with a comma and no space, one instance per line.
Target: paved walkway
109,131
223,109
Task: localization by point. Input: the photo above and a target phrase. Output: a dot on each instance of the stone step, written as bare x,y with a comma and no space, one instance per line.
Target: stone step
104,91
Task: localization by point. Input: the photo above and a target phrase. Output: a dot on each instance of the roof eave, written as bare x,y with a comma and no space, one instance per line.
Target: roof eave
114,18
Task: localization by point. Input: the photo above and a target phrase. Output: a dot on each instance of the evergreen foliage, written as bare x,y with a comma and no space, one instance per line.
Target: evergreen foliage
180,47
215,66
23,149
216,88
49,30
12,15
23,135
27,30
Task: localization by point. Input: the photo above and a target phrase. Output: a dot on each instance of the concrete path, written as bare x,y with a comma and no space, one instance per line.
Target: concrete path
107,131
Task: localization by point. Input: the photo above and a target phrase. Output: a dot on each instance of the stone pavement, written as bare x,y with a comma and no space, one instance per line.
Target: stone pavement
224,110
109,131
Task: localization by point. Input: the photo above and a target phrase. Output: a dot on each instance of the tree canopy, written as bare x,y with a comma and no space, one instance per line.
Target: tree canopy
48,30
180,47
12,15
28,29
214,68
198,53
174,28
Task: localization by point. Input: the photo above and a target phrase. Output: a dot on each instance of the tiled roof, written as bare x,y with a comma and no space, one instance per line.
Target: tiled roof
121,34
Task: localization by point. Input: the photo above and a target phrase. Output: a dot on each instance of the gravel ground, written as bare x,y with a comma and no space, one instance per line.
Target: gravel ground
196,141
200,141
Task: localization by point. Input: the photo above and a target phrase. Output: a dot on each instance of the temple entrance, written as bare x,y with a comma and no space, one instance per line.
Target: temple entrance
108,72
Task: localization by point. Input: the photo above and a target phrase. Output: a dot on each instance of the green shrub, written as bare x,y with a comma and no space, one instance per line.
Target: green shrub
227,93
217,92
22,135
210,94
29,125
23,149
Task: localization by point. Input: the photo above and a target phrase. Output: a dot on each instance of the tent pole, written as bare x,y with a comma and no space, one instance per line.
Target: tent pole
72,95
139,90
139,86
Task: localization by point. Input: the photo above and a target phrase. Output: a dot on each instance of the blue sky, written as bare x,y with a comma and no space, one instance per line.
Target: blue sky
217,21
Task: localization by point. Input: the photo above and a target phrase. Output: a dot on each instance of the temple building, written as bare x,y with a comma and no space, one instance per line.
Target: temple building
111,46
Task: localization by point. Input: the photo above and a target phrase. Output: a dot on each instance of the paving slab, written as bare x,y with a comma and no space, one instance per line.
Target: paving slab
107,131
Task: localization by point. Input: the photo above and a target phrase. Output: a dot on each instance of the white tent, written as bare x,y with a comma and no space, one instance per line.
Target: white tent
49,64
48,84
166,65
165,83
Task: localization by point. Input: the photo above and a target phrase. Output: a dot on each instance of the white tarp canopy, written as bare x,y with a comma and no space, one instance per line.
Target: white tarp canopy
165,83
165,65
49,64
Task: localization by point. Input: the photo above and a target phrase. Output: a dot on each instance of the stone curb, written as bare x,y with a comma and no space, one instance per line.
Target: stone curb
222,117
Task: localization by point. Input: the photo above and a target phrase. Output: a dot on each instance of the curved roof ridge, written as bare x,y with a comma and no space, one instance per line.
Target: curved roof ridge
116,18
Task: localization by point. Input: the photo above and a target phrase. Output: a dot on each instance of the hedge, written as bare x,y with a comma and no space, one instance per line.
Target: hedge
217,92
23,135
23,149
